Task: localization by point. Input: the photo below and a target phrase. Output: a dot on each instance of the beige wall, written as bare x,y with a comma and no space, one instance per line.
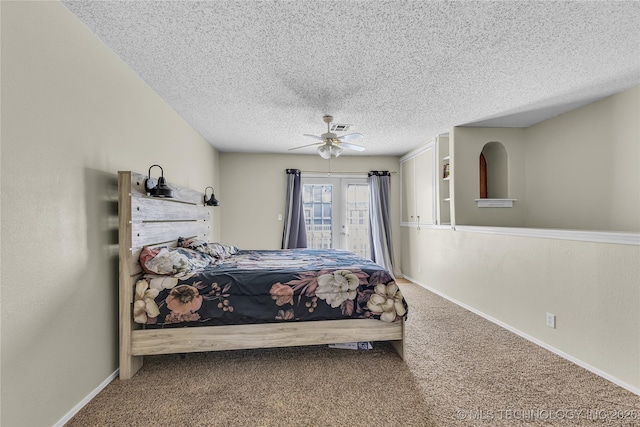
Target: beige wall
467,144
72,116
579,170
583,167
592,288
254,190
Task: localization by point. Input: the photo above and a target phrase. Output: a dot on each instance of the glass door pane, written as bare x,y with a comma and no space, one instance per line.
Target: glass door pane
318,215
357,219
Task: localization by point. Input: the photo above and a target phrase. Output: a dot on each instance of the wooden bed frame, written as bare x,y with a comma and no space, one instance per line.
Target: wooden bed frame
151,221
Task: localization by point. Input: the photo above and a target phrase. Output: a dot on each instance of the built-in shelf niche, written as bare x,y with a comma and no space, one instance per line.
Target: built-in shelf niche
444,183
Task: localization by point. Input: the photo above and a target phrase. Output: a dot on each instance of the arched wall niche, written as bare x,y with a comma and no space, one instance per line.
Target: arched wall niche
494,171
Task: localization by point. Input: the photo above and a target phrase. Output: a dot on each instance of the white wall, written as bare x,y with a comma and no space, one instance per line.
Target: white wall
72,116
254,190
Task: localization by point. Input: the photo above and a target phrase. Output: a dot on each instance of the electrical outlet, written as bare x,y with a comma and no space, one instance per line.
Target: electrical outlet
419,269
551,320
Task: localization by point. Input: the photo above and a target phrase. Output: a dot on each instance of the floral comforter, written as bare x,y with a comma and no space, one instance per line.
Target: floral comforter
272,286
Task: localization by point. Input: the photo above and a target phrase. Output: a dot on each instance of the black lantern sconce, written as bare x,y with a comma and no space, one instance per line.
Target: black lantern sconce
159,189
211,201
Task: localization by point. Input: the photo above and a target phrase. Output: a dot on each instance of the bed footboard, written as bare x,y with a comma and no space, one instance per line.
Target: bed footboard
240,337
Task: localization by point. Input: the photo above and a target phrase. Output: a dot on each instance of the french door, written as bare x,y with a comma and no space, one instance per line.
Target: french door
336,213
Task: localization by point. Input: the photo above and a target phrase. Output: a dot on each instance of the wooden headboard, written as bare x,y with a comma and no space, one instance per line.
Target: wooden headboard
151,221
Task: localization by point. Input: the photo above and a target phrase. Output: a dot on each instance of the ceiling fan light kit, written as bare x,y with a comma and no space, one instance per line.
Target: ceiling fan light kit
331,144
326,151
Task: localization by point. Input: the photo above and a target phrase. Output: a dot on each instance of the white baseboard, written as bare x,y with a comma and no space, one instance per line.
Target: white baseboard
542,344
86,400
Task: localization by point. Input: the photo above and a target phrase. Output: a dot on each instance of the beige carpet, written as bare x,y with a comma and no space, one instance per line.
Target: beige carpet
461,370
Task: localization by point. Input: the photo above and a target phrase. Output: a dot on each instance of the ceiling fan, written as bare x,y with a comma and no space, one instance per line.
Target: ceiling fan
332,144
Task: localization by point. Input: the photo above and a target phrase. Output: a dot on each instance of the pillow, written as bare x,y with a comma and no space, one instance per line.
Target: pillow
217,250
224,251
172,261
197,245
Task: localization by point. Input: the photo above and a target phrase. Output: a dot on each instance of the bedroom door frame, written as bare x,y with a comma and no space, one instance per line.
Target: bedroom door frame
340,231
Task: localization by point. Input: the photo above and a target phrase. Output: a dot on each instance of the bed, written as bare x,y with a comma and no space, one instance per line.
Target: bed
180,293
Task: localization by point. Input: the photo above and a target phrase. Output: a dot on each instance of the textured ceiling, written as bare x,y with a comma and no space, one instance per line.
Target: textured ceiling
254,76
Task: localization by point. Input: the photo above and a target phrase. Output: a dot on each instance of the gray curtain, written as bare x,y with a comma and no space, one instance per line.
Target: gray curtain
295,232
380,220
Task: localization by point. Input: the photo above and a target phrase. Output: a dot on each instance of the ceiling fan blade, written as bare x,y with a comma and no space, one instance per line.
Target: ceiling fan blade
312,136
350,136
352,146
303,146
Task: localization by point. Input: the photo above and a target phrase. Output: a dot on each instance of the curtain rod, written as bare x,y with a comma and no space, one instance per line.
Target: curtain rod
340,173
